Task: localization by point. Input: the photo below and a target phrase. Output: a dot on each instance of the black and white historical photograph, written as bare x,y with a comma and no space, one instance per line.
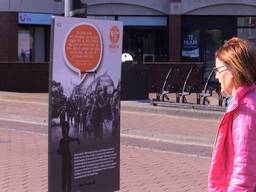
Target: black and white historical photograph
92,113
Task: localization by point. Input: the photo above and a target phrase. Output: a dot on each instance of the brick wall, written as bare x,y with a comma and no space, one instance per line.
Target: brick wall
24,77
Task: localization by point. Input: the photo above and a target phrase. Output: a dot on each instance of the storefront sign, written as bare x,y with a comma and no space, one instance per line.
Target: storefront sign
84,105
34,18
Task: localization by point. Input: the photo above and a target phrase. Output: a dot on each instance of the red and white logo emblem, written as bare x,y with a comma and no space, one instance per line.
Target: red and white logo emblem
114,34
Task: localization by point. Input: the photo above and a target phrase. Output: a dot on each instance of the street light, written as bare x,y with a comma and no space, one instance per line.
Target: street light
67,7
75,8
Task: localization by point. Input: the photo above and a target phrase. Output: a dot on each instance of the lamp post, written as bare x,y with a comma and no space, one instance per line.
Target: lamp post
67,7
75,8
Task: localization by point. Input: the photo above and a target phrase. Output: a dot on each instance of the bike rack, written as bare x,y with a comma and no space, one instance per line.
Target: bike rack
184,93
164,93
206,92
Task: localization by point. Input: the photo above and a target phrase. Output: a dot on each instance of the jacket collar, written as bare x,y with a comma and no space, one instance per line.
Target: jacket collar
239,94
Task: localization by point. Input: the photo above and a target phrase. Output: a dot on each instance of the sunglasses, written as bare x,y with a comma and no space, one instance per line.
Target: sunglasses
216,69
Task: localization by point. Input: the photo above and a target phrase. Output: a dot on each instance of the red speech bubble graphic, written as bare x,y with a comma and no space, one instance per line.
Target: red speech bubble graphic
83,49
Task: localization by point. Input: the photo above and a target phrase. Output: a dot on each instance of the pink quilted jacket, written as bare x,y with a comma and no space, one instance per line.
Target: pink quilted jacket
233,166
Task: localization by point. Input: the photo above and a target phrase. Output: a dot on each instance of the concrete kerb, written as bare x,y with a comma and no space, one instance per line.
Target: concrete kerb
161,108
209,112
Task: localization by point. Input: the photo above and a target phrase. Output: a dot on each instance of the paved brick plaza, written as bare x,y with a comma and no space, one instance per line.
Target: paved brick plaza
24,166
144,167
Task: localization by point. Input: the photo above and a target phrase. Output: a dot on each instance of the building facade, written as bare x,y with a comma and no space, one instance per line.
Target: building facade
26,29
154,31
185,30
25,43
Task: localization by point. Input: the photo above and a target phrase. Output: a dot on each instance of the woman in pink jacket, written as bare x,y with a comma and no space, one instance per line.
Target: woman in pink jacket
233,166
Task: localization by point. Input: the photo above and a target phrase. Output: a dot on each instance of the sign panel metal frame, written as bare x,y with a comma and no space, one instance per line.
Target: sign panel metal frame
84,105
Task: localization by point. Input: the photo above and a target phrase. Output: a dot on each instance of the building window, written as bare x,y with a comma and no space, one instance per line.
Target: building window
246,28
146,38
146,44
25,45
32,44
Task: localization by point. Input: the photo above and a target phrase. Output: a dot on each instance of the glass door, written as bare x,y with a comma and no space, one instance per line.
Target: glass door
146,44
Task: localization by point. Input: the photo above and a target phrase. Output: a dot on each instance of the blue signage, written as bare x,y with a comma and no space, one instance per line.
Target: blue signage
35,18
190,45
